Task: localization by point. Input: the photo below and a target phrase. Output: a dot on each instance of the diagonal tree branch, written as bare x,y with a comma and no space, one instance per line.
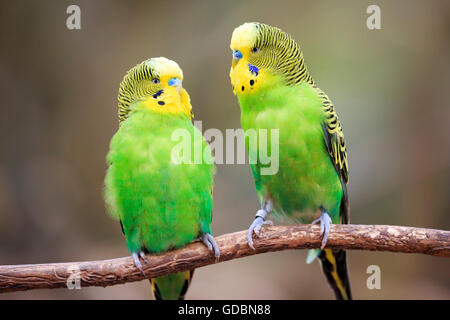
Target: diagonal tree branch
232,246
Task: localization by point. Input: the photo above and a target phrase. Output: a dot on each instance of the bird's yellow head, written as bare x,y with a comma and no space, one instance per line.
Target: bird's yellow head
154,84
262,55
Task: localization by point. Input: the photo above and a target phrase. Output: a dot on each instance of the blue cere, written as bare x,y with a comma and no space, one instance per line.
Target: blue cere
174,82
237,54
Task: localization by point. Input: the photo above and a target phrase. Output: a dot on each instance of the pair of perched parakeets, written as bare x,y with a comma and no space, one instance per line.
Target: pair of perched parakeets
162,204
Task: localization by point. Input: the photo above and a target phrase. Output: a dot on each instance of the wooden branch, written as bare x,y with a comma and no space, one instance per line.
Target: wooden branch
232,246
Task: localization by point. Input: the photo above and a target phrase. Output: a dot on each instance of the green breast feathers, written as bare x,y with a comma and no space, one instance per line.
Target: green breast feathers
161,204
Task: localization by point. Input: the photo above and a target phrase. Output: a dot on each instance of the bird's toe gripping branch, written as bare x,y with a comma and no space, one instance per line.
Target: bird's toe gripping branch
256,228
137,263
325,223
209,241
260,220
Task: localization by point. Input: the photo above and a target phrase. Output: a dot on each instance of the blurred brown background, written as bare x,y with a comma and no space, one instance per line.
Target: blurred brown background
58,113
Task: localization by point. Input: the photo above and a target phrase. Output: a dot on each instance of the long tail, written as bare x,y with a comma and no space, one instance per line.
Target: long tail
173,286
334,266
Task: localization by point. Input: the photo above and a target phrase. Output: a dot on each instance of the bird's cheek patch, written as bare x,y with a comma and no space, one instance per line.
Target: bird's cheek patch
254,70
244,78
156,95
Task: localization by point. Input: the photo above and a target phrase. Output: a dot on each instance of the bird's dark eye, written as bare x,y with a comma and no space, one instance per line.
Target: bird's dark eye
255,49
155,81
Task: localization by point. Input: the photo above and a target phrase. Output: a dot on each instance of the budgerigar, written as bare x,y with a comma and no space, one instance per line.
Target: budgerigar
276,91
162,204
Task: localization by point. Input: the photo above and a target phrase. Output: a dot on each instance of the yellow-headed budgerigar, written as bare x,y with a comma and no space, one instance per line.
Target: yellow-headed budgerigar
162,204
276,91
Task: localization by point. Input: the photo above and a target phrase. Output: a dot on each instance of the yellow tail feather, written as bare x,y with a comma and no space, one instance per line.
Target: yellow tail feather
334,266
173,286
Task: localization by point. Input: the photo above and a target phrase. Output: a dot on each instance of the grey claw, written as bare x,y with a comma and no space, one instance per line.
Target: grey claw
255,227
259,221
250,239
258,227
325,223
209,241
325,235
208,244
137,263
142,255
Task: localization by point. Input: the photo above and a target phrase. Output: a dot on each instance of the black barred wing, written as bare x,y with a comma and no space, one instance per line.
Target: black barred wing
335,142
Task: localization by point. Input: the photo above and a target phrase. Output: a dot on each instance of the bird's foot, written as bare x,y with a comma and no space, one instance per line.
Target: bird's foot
325,223
137,263
209,241
255,227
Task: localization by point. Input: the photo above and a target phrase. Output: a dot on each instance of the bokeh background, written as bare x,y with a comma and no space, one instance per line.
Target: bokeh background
58,112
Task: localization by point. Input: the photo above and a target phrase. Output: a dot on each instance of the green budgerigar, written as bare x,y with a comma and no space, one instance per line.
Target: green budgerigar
162,202
276,91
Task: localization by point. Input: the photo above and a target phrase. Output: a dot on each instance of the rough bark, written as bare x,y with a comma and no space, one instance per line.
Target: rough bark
232,246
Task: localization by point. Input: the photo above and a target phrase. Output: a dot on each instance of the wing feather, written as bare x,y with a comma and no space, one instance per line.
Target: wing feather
335,143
